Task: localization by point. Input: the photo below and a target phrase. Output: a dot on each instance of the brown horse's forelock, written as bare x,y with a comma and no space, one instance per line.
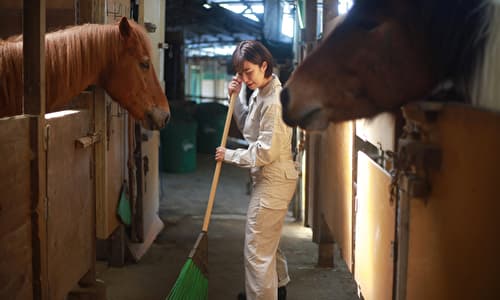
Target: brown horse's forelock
73,56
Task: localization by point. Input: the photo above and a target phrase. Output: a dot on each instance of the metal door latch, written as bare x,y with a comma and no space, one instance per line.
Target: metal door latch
88,140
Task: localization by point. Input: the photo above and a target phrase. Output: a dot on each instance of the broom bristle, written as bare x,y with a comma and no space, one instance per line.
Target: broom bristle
190,285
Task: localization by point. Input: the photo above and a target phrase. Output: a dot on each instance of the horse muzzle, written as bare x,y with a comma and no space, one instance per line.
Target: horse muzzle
155,119
308,117
285,101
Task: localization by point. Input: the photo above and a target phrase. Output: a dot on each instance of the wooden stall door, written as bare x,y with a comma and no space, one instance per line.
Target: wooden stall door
375,231
454,245
71,203
16,249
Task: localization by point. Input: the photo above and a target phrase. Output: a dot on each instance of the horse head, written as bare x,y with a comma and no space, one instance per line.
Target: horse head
381,55
132,80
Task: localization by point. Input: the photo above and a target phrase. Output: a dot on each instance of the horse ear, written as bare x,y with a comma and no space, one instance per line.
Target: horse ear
124,27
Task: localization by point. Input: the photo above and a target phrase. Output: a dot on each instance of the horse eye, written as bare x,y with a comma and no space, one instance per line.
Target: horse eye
144,65
368,24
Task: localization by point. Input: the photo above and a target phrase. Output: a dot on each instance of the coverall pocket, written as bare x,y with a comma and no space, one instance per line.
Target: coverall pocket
291,173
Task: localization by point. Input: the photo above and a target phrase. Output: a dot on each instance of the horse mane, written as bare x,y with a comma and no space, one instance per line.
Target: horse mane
455,29
75,57
457,33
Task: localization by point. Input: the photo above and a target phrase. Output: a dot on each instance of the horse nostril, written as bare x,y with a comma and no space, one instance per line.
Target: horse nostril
285,98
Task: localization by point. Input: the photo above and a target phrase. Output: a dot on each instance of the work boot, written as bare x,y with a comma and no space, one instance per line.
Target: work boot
242,296
281,294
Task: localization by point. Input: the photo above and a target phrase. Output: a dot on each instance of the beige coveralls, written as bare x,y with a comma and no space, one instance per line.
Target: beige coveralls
274,180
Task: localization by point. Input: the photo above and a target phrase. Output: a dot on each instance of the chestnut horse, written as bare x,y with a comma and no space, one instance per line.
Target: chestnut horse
385,53
115,57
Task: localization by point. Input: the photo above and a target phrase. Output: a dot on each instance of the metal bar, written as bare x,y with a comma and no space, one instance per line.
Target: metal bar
403,239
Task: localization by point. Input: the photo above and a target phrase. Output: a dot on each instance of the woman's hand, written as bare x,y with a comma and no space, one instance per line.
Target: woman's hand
235,85
219,153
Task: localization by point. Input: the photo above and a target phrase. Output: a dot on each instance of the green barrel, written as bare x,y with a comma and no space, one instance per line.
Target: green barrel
211,118
178,145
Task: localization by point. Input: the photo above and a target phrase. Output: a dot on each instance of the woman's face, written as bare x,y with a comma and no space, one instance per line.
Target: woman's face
253,75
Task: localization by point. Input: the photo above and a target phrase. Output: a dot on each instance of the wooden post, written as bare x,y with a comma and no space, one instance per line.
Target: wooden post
34,57
311,33
118,247
34,104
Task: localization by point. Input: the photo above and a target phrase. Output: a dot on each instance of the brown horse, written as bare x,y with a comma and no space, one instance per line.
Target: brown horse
115,57
385,53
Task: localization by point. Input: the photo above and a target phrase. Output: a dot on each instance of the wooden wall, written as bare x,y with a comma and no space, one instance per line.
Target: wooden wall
59,14
375,230
71,203
453,234
15,209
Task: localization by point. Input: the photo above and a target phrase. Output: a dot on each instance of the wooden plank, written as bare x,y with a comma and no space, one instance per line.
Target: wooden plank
118,9
16,276
114,172
323,216
116,161
91,11
61,4
16,4
118,247
71,235
375,231
101,178
59,13
313,175
454,246
11,20
339,207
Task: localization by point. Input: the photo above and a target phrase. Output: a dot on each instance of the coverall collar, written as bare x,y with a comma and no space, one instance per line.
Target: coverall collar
270,86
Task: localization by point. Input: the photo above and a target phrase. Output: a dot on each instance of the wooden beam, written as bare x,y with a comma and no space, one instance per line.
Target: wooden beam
310,34
34,57
34,104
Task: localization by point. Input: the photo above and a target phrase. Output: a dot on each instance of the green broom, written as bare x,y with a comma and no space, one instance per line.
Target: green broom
192,283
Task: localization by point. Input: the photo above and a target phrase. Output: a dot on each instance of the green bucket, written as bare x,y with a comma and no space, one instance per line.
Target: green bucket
178,146
211,118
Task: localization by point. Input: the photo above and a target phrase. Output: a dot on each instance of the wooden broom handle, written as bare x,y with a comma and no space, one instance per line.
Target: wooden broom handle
218,166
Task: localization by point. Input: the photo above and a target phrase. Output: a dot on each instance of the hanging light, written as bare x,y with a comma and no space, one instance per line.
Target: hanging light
207,5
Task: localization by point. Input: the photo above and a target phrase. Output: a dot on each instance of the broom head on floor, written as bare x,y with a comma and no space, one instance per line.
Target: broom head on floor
192,283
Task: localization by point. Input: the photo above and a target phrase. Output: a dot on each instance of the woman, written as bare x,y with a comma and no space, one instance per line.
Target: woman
273,171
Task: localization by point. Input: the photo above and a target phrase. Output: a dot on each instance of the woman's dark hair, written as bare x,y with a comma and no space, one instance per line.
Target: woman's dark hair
254,52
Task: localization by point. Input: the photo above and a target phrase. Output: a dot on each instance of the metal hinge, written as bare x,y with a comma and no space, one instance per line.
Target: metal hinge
46,132
414,160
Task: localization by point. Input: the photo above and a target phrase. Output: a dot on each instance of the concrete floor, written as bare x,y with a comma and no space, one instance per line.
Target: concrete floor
182,205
